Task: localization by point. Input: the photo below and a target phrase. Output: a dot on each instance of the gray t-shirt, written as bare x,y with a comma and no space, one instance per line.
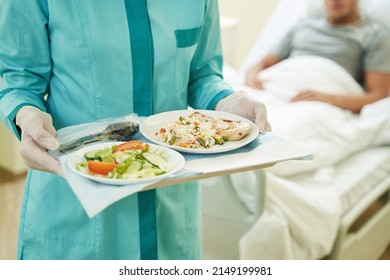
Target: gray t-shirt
360,47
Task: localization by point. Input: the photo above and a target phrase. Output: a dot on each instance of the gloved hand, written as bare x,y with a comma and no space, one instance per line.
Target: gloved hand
241,104
38,136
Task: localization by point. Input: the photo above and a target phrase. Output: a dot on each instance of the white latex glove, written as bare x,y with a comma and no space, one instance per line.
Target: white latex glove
38,136
239,103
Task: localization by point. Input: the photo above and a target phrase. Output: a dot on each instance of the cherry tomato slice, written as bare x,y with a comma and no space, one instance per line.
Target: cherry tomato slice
132,145
102,168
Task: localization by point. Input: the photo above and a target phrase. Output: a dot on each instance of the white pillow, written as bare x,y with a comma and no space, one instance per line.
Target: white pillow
283,17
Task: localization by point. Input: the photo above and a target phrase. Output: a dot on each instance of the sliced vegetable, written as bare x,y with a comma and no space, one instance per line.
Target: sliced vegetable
158,161
126,170
202,142
134,166
124,157
172,140
102,168
92,155
219,140
132,145
130,160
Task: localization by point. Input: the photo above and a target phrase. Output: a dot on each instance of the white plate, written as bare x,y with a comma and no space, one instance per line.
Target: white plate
150,125
78,157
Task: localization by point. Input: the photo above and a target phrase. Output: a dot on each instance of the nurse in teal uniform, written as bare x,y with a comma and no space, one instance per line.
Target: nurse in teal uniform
69,62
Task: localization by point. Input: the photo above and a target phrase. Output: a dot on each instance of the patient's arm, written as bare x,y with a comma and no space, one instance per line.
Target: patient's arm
251,78
377,87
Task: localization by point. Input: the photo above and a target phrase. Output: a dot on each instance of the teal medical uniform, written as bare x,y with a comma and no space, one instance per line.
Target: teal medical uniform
85,60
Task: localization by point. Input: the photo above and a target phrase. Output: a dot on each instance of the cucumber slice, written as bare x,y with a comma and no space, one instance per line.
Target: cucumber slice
134,167
158,161
92,155
147,173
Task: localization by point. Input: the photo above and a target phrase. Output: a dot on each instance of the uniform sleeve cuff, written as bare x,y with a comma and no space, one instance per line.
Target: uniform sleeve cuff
9,120
218,97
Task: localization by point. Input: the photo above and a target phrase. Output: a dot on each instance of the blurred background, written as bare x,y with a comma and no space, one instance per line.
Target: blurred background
241,22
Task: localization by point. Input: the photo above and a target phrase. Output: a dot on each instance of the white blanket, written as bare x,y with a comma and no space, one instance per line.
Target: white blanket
303,210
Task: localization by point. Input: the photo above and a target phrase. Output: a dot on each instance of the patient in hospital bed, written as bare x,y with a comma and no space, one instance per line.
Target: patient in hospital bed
340,62
325,81
360,45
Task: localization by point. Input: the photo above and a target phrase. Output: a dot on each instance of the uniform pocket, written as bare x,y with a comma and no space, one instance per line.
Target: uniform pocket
186,40
187,37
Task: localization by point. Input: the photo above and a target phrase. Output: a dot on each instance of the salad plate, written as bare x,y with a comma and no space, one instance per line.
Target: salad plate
174,159
151,126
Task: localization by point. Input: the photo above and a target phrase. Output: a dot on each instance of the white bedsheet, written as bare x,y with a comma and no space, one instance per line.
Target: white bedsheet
302,216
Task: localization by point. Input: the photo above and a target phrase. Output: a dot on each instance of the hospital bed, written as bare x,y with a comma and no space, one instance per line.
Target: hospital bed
339,210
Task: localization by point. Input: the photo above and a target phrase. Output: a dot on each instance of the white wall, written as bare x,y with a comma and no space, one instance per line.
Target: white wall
252,14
